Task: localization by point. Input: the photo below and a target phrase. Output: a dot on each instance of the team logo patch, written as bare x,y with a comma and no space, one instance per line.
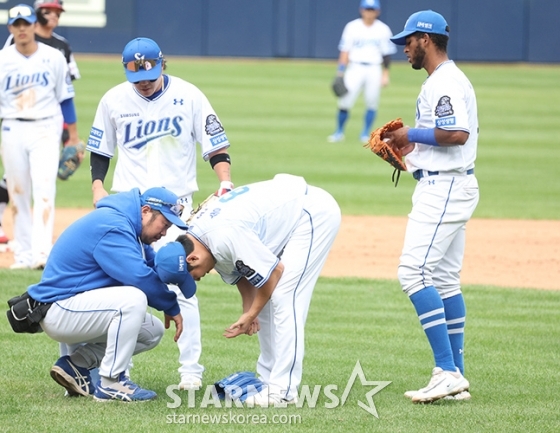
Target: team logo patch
444,107
213,125
253,277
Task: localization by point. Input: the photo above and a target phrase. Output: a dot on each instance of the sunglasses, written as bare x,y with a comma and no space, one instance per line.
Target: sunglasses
136,65
21,11
176,208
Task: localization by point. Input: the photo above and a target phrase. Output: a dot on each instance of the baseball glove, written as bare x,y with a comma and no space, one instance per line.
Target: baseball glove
69,160
238,386
201,207
338,87
385,150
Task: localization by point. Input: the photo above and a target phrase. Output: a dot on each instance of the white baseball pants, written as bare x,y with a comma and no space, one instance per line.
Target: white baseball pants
282,319
434,243
112,323
30,152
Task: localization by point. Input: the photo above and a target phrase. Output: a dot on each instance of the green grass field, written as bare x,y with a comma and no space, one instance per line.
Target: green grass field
277,115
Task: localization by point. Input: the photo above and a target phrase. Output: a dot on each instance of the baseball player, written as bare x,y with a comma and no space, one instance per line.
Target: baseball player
271,239
440,152
99,302
48,12
155,121
36,96
365,54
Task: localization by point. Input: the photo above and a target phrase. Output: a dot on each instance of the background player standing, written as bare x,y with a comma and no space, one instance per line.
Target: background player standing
33,111
155,121
48,13
441,159
365,50
271,239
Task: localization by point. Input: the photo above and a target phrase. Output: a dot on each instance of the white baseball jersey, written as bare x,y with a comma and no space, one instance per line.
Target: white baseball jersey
447,101
367,44
156,138
264,219
248,230
33,87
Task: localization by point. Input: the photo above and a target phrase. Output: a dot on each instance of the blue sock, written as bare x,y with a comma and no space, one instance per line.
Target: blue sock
369,118
455,313
429,307
341,120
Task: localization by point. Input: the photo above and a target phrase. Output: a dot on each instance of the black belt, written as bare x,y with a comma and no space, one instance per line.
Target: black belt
419,174
364,63
31,120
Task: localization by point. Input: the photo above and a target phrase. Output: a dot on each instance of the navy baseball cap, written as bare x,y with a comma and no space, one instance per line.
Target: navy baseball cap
22,12
167,203
425,22
370,4
142,60
171,266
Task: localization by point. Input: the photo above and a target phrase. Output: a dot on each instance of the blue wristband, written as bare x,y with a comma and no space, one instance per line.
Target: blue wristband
341,68
423,136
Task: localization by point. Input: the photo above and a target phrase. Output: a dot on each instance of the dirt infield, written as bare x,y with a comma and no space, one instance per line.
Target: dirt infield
507,253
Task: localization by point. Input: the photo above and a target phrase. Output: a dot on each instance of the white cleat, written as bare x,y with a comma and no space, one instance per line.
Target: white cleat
442,384
336,137
190,383
264,399
462,396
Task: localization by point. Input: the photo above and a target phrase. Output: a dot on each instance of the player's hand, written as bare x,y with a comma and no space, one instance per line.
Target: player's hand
98,192
225,187
178,319
246,324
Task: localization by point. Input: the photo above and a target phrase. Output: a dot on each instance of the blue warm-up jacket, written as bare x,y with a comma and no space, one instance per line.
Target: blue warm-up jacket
103,249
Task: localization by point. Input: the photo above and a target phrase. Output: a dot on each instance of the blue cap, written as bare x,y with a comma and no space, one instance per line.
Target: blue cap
171,267
142,60
167,203
425,22
22,12
370,4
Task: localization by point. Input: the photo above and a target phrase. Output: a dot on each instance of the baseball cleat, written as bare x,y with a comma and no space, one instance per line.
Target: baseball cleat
364,139
190,383
462,396
264,399
19,265
336,137
123,390
442,384
76,380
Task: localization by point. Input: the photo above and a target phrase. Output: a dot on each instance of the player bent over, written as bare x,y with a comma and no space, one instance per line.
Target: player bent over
101,302
271,239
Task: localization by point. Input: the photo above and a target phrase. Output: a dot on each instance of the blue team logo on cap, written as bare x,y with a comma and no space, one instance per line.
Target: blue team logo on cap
171,267
424,21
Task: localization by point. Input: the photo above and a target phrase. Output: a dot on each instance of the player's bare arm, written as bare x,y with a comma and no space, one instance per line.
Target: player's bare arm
443,137
262,296
248,293
178,319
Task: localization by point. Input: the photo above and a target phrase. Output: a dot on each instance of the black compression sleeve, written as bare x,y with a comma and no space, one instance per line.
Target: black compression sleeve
99,166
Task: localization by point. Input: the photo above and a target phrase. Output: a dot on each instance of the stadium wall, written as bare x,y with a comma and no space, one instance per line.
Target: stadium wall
482,30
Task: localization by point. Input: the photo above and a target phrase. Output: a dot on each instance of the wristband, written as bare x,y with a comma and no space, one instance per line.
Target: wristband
341,68
423,136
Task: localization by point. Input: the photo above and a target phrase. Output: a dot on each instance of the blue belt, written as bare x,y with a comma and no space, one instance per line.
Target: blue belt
419,174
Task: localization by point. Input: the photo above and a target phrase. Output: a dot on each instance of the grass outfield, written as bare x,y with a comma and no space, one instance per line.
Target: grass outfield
511,360
277,115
